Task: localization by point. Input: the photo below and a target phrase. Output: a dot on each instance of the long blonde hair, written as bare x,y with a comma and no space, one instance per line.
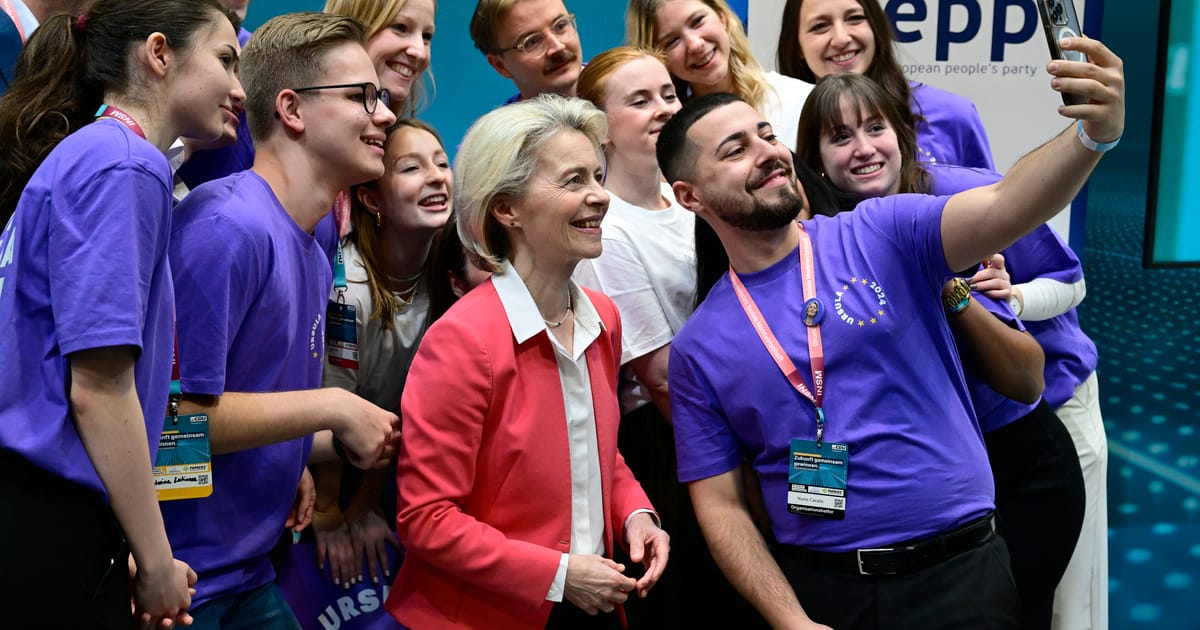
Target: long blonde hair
376,15
746,74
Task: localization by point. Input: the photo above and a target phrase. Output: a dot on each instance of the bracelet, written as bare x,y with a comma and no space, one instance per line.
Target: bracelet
1092,145
958,298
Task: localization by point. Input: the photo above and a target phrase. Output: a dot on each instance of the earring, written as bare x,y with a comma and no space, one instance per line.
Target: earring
378,219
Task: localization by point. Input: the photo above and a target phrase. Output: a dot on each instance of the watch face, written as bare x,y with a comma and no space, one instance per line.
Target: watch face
1014,304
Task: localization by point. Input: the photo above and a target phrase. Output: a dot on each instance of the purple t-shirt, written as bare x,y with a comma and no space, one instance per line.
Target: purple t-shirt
952,132
252,288
83,265
894,389
1070,355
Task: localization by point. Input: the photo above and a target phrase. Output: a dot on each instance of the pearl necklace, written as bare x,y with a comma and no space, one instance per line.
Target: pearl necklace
565,315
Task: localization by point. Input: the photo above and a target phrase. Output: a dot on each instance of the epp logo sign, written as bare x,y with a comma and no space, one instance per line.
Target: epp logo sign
903,12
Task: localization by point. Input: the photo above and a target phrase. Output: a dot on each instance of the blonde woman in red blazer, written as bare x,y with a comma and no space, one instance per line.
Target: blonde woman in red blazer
512,495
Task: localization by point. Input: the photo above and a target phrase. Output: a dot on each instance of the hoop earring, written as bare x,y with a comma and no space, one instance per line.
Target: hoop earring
378,219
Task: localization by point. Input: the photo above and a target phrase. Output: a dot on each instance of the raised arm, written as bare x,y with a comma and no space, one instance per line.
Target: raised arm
979,222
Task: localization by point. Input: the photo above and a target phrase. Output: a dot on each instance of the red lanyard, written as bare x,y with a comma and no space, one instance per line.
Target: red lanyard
16,20
816,352
108,111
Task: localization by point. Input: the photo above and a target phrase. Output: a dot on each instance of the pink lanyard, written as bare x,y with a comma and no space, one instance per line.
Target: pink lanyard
108,111
816,352
12,15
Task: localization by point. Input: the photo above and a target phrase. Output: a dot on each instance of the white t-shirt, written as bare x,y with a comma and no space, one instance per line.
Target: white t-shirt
783,107
648,268
383,355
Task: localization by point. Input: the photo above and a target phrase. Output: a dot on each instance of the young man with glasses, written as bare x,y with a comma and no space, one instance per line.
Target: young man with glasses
251,286
533,42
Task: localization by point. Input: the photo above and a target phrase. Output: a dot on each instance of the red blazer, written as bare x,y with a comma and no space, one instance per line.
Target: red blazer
484,507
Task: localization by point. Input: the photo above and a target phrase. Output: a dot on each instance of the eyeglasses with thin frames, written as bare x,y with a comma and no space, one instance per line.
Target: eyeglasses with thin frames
535,43
371,94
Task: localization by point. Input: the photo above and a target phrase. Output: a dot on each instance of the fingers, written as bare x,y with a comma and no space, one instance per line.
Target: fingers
636,550
321,550
1101,80
1095,50
659,551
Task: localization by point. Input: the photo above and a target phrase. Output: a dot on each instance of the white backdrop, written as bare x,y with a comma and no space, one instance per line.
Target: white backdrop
999,64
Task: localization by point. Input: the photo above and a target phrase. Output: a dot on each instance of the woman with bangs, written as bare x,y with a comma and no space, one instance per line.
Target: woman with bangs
853,131
818,38
648,268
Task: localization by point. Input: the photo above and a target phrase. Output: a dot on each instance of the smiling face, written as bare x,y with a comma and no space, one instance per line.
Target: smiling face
743,175
835,37
337,127
553,69
401,49
696,43
558,217
639,99
206,95
415,191
862,154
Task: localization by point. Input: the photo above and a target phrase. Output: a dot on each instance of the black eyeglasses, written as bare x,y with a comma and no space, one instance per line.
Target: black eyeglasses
371,94
535,43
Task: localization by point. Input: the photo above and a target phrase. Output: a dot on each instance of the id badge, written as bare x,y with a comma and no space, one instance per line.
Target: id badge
183,468
817,479
341,335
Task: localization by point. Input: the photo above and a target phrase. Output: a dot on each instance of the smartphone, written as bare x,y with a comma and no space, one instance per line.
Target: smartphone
1060,20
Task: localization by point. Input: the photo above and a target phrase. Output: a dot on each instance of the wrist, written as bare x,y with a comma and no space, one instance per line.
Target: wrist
1015,303
333,410
1094,145
153,566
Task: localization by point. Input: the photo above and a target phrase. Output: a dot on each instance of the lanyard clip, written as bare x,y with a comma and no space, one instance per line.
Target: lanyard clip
820,426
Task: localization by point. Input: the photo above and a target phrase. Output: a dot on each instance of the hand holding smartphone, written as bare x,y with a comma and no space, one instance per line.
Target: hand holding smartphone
1059,20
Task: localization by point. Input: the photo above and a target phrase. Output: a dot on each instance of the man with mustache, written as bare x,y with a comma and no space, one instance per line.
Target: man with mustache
533,42
869,456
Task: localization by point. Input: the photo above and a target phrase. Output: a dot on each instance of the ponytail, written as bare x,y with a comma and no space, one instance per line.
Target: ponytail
68,65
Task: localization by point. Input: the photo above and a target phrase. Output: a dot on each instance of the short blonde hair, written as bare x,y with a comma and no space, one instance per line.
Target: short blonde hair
749,78
376,15
288,52
497,159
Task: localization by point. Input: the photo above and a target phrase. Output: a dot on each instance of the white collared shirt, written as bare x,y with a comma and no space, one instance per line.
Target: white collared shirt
587,499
